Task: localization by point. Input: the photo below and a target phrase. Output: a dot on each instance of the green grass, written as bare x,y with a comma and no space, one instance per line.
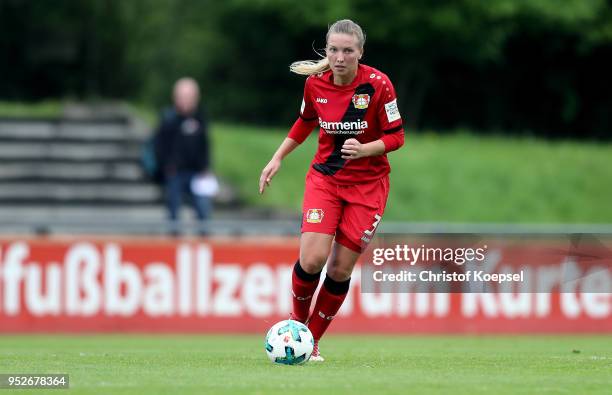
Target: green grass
122,364
42,109
460,177
452,178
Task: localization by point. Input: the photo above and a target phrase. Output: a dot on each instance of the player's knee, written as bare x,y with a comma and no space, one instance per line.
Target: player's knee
312,262
338,273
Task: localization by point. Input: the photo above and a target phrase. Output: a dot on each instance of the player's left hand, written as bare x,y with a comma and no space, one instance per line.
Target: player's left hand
353,149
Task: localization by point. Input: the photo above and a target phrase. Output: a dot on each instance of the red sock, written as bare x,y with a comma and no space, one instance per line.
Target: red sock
303,286
330,298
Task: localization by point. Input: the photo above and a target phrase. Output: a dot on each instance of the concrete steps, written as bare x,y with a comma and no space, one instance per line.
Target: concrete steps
86,151
48,191
73,161
83,174
65,171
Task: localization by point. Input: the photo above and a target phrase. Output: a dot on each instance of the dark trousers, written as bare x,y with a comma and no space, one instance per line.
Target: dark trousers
176,187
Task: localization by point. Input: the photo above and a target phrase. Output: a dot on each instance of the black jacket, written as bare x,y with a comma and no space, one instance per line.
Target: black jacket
182,143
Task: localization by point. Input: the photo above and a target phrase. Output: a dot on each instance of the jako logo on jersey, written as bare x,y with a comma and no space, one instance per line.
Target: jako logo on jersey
361,101
355,127
314,216
321,100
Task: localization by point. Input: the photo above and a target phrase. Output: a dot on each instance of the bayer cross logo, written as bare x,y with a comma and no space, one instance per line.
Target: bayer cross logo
361,101
314,216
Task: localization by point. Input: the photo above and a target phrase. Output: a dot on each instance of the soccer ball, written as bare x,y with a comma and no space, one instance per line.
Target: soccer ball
289,342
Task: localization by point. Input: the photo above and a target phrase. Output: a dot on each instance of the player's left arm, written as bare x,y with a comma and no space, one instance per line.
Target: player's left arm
390,122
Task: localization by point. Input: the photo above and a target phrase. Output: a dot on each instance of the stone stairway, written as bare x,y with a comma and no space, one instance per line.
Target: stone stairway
83,175
72,162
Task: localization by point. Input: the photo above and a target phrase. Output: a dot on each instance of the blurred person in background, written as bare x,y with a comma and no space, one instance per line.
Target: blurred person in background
347,186
182,148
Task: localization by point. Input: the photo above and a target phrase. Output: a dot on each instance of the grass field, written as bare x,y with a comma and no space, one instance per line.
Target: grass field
459,177
43,109
135,364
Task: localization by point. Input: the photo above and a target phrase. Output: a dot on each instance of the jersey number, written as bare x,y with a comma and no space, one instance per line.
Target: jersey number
370,232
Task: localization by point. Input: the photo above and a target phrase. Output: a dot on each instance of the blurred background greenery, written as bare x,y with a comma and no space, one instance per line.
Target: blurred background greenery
507,103
515,66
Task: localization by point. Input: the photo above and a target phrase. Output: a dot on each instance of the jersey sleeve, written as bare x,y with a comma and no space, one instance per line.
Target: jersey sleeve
389,117
307,119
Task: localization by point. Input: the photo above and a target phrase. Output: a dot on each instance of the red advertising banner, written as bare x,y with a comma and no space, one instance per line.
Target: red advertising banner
243,285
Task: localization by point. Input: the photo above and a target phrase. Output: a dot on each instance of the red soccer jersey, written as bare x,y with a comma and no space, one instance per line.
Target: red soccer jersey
366,110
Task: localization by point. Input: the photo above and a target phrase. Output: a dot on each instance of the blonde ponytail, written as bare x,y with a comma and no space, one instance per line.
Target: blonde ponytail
310,67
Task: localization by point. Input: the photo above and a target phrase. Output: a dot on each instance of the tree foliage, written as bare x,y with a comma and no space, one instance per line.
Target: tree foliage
514,65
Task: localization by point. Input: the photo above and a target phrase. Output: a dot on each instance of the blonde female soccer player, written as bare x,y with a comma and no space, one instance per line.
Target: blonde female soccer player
347,186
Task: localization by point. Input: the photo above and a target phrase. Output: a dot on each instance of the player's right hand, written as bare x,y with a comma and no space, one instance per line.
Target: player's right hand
267,173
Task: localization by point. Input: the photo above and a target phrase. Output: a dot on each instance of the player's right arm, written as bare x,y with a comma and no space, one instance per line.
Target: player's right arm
300,130
274,165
